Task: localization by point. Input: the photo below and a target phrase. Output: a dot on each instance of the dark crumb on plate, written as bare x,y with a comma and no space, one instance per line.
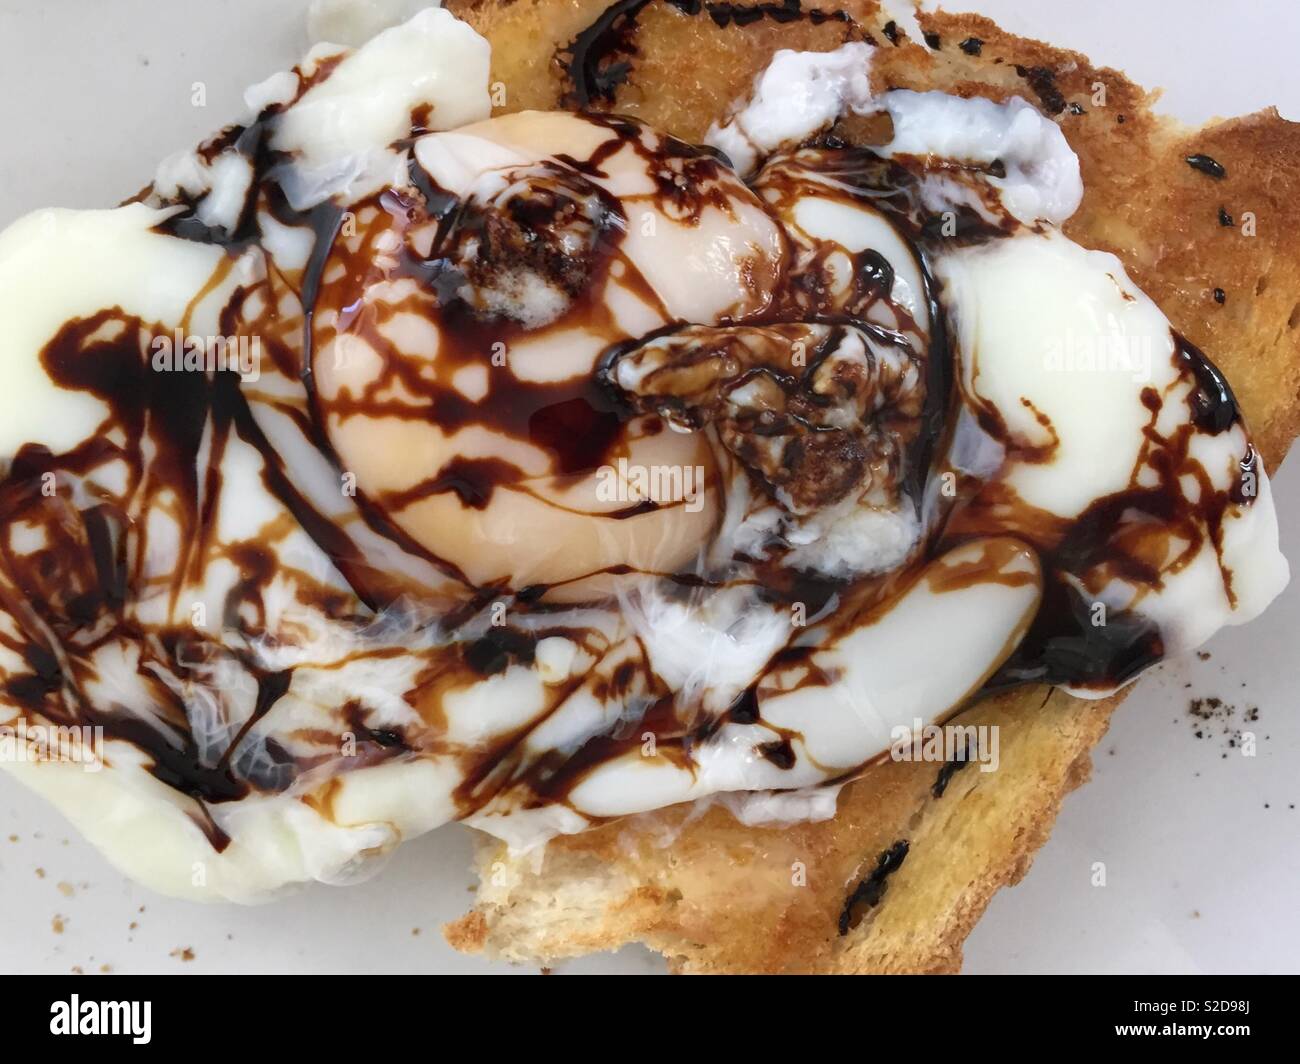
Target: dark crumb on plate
1213,717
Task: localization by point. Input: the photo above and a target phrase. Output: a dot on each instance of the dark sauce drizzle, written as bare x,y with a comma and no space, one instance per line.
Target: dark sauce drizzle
947,771
871,890
1043,81
599,59
85,577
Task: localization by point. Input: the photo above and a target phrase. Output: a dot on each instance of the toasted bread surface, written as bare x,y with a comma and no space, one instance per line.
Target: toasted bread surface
897,879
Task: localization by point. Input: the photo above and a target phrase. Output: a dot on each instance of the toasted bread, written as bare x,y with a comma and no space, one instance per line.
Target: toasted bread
897,879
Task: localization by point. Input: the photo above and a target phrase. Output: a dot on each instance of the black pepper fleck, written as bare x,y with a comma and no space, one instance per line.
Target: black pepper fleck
1220,296
934,41
972,46
1225,219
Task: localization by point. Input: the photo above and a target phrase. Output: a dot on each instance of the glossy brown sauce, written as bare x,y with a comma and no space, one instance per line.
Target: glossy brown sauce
598,61
871,890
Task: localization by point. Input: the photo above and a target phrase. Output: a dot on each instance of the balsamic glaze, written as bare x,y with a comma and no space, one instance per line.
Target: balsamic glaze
948,770
1043,81
599,56
1214,406
189,420
500,648
728,14
779,752
598,61
871,890
1065,647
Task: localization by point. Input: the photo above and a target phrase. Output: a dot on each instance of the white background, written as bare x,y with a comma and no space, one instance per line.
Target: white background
1201,875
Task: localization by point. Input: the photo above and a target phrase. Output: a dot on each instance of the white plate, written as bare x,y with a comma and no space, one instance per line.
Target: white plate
1202,852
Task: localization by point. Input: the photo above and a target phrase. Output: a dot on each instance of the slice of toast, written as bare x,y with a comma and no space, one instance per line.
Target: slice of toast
896,880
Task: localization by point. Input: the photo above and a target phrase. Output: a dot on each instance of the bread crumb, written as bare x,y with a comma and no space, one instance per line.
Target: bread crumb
66,889
1209,711
40,873
182,953
58,924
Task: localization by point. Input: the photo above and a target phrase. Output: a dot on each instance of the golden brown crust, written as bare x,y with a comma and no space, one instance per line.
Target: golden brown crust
714,896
